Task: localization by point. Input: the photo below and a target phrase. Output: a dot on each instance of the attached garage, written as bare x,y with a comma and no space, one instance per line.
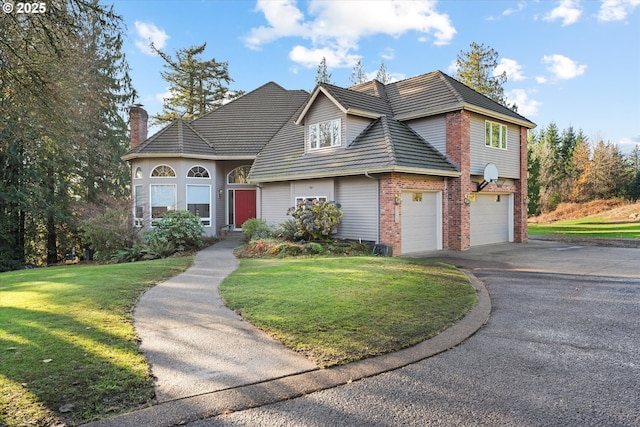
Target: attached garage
421,221
491,219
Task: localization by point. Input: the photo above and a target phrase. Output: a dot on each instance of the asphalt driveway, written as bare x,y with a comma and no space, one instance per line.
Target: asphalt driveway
561,348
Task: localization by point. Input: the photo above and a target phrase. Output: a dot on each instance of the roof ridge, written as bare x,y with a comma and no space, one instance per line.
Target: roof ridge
446,81
202,138
391,149
180,136
154,136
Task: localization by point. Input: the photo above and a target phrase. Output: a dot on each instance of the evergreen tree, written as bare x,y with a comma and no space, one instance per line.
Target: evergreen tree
196,86
476,70
383,76
323,75
54,87
358,75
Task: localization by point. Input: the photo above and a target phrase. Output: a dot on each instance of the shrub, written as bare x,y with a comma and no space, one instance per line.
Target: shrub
255,229
287,230
315,220
109,231
135,253
182,229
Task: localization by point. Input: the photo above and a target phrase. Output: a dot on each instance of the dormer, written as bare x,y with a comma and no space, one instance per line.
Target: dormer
333,117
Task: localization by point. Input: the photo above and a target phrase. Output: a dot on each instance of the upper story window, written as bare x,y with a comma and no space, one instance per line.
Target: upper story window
495,135
239,175
198,172
163,171
324,134
138,173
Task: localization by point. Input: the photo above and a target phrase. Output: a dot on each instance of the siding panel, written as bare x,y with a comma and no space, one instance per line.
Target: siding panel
507,161
433,130
276,200
358,197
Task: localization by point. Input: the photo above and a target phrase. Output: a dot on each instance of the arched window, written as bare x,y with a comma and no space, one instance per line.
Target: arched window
138,174
239,175
163,171
198,172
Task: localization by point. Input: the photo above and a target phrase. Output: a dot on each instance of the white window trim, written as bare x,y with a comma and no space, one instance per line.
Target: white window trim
138,221
157,166
303,198
334,142
170,207
204,220
502,144
198,177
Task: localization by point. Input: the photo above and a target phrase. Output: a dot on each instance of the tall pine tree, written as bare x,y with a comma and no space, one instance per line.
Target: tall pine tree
476,69
196,86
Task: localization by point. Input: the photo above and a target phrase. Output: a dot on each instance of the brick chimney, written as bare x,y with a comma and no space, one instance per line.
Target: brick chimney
138,118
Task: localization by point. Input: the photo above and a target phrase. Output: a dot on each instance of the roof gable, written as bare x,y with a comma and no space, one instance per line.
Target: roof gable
349,101
437,93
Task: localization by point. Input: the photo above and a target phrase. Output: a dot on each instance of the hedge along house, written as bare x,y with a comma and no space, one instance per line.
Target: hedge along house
407,161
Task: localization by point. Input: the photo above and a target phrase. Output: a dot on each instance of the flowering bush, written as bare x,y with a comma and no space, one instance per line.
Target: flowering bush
315,219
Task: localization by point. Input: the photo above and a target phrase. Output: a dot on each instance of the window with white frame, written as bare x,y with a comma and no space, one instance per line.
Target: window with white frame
198,172
300,200
199,202
324,134
138,209
495,135
163,199
163,171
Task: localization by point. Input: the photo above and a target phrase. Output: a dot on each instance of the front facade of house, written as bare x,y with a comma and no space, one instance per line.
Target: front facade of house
407,161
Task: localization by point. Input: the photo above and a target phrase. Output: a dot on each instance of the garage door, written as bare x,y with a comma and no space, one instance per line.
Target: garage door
491,219
421,221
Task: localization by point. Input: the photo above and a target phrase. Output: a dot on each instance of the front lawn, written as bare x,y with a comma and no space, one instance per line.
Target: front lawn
589,227
68,349
338,310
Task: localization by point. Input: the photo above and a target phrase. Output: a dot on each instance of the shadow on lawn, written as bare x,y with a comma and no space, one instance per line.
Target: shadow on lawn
50,362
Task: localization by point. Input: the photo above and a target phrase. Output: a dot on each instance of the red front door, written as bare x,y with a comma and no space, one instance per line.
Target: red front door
244,206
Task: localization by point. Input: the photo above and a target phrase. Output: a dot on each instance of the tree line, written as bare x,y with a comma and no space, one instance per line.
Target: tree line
64,84
564,166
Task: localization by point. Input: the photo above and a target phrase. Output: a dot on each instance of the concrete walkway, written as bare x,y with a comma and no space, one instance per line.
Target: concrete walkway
208,361
195,344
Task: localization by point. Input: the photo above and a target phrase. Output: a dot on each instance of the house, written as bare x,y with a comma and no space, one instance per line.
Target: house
421,164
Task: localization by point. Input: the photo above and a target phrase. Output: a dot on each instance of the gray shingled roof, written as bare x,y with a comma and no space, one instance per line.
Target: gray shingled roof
407,98
385,145
177,138
237,129
262,124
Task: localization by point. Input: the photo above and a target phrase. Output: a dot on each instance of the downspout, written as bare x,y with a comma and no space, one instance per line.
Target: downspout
366,174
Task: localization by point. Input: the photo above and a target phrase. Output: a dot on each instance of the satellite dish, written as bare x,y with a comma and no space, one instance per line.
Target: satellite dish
490,172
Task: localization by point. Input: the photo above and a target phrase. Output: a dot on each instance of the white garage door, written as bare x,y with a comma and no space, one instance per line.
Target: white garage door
491,219
421,221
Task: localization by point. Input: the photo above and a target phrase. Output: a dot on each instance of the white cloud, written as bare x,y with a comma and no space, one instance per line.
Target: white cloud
526,106
339,25
563,68
541,79
568,11
511,67
616,10
310,58
148,33
168,94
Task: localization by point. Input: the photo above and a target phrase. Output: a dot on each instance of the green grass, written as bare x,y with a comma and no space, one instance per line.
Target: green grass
67,339
589,227
338,310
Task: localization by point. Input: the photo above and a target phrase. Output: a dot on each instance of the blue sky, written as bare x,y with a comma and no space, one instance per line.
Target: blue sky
571,62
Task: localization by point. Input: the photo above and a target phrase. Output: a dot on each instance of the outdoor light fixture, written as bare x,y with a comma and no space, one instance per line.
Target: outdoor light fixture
219,193
398,200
